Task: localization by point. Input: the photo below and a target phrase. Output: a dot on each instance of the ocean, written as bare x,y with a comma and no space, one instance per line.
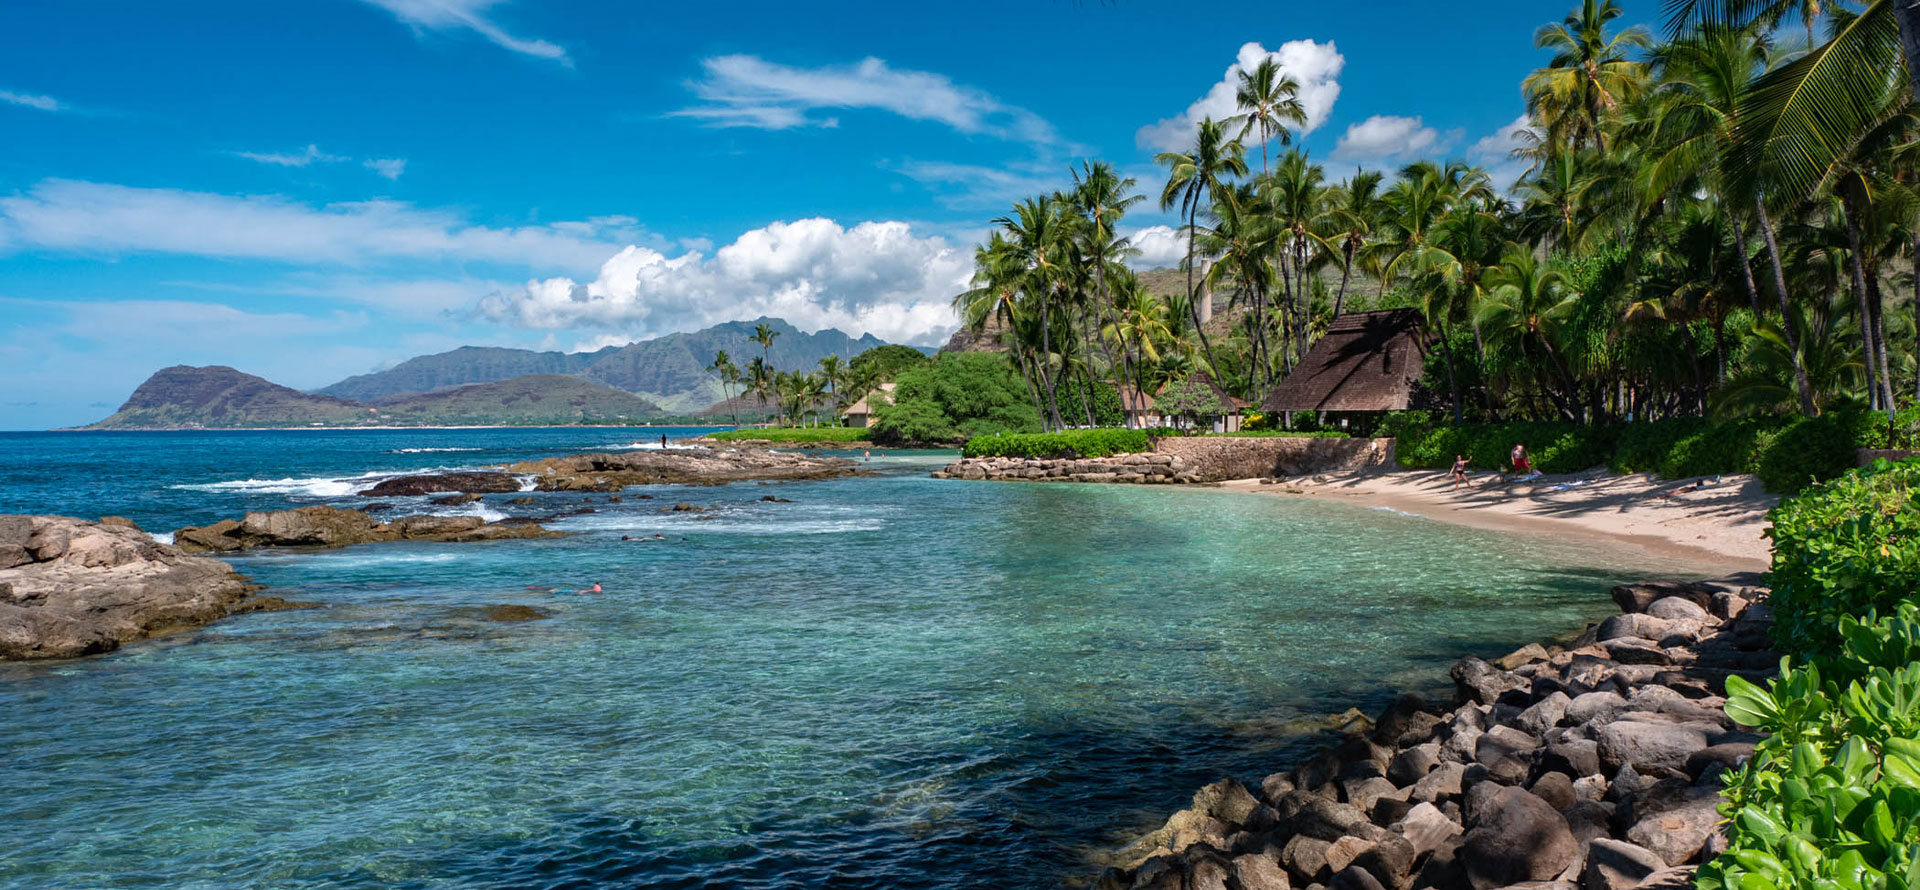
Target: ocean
889,681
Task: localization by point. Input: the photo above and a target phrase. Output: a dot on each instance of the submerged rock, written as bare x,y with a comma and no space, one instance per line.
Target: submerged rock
334,527
516,613
69,587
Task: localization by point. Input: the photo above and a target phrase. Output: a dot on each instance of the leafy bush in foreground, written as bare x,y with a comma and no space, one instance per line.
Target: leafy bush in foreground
1069,443
794,434
1832,797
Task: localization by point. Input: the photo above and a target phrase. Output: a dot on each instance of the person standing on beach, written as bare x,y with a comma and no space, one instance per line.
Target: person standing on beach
1459,471
1522,467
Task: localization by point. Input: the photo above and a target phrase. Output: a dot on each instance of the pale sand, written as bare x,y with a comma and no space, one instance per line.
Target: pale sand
1716,523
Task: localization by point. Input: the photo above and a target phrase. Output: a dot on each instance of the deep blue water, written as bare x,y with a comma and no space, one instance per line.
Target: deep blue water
892,681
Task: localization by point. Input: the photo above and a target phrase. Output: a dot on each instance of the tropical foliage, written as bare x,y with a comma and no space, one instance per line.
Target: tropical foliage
956,397
1720,221
820,396
1831,796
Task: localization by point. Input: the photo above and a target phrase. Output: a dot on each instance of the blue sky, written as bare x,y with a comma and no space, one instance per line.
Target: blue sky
308,189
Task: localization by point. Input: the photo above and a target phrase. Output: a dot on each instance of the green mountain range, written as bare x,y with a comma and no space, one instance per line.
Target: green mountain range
670,371
223,398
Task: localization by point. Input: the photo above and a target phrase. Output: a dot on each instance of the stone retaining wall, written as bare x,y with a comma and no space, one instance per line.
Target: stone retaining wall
1255,457
1866,456
1189,460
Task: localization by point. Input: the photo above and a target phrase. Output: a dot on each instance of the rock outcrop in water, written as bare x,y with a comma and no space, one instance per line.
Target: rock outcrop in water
612,472
334,527
475,482
69,587
1597,766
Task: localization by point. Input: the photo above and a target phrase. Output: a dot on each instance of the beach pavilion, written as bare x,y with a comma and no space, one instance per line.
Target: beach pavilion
1367,364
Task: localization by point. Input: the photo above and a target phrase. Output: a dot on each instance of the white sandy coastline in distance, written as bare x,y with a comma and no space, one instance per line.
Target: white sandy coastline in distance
1717,523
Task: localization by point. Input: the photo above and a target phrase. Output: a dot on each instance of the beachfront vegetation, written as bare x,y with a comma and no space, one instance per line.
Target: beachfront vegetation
1831,798
1066,443
1717,225
1787,451
802,434
818,396
954,398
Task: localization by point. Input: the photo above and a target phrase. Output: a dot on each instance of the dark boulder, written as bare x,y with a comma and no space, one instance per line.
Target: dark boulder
1517,837
464,482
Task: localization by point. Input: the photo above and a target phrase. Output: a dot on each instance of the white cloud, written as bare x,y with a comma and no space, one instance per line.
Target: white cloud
305,158
875,277
748,91
31,100
450,15
391,168
1315,65
99,218
1384,138
1495,151
969,186
1159,246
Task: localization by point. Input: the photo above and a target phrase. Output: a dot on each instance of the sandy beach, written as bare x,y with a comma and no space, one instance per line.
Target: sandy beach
1718,521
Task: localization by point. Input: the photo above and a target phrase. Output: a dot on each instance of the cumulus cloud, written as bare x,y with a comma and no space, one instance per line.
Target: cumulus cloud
1159,246
99,218
748,91
875,277
1315,65
391,168
1385,138
35,101
469,15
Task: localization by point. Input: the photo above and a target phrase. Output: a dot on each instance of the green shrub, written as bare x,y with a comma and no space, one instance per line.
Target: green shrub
1068,443
1823,447
956,397
794,434
1831,798
1280,434
1846,547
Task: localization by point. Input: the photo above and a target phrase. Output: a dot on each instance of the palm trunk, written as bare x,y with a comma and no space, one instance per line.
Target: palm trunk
1906,14
1193,297
1801,385
1851,210
1746,268
1346,274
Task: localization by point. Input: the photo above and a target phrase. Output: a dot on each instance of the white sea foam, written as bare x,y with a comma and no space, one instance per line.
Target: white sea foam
654,446
1397,512
430,450
312,486
161,537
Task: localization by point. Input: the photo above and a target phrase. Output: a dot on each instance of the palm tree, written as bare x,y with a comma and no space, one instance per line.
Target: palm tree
729,375
1268,100
760,376
1102,197
832,374
1355,206
1191,179
764,334
1589,74
1038,237
1526,302
1295,196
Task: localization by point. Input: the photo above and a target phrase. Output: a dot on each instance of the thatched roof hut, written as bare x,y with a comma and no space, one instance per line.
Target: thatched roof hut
1367,362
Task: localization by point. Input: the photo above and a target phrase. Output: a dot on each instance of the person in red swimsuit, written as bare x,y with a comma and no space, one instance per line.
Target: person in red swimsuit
1521,466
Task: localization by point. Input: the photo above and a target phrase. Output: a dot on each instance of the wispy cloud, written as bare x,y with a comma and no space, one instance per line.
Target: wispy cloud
748,91
34,100
1495,151
469,15
305,158
101,218
391,168
1316,66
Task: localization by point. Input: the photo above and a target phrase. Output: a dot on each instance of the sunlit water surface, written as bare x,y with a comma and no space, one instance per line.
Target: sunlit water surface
892,681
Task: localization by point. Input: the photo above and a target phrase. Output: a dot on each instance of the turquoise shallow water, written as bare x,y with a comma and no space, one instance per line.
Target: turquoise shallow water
892,681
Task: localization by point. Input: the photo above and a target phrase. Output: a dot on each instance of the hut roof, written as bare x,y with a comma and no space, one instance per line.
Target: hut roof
1368,361
1134,400
872,400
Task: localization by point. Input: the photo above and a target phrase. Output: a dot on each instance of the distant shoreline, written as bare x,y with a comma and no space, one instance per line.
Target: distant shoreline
296,429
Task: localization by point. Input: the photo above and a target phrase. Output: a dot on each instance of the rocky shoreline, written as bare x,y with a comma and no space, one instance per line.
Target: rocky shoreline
335,527
69,587
1595,766
1134,469
613,472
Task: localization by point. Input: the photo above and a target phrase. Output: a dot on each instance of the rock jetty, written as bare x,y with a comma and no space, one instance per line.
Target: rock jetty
613,472
335,527
69,587
1597,766
480,482
1139,469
